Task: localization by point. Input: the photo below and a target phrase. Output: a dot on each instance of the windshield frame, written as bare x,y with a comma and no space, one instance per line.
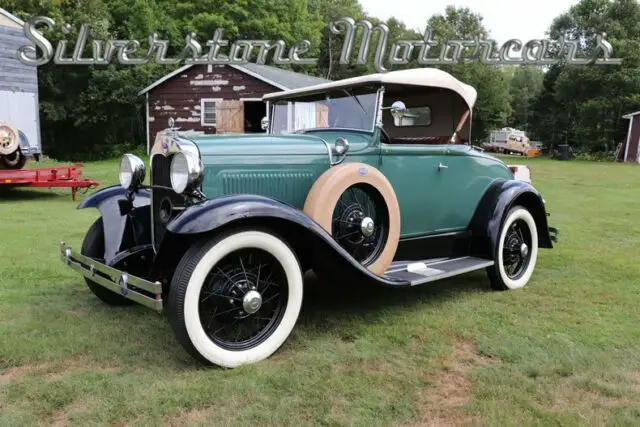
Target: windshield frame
375,120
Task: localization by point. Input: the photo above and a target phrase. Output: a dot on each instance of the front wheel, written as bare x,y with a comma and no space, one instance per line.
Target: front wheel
235,299
93,247
516,252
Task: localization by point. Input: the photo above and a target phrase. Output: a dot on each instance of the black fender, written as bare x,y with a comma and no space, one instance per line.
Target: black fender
311,243
490,213
125,216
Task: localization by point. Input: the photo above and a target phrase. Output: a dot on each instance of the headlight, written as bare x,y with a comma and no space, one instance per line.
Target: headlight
186,172
132,171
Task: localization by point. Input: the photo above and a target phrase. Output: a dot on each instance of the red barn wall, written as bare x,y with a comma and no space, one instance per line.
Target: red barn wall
179,97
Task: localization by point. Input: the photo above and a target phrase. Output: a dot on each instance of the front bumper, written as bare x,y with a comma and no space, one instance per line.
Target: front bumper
120,282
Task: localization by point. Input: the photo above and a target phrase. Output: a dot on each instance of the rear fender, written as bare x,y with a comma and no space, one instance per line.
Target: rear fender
501,196
125,216
314,247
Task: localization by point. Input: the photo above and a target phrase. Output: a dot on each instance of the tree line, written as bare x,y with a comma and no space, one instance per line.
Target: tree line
91,112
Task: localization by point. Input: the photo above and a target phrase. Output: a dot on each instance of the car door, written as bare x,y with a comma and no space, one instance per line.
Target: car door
420,185
468,175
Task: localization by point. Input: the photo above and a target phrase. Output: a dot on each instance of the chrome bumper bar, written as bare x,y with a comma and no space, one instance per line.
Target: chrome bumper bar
113,279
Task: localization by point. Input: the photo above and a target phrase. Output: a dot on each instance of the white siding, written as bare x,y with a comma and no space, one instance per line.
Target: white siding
19,109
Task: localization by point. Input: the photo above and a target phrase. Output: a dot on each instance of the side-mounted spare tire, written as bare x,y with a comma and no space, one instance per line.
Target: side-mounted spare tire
356,204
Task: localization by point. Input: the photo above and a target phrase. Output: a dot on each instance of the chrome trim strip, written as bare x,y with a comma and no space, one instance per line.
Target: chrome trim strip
329,151
116,281
380,100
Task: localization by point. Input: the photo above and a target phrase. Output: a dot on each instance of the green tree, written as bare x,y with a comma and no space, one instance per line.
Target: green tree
584,104
524,88
493,106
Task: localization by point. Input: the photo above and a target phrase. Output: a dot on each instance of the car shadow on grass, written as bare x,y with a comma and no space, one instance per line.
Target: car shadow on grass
328,310
333,301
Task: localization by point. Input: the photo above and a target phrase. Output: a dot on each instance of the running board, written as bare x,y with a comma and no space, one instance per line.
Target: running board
419,272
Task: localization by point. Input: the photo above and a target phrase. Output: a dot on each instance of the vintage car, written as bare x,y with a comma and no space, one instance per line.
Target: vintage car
367,180
520,145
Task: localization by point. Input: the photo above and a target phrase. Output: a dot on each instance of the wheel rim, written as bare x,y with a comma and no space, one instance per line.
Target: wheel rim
360,223
243,299
516,253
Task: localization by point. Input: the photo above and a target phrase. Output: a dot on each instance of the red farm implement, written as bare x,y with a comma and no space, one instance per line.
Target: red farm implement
64,176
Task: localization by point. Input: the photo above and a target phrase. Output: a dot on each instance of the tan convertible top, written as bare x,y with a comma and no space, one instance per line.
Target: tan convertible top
427,77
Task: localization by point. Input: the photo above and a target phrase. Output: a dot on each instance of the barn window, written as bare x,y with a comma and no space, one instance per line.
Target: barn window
208,111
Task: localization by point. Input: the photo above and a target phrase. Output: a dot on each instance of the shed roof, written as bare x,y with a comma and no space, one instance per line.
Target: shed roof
630,115
277,77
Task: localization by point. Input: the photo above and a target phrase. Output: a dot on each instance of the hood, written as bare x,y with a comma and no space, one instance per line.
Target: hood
259,145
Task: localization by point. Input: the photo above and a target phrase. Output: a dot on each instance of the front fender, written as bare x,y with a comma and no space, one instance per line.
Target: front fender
114,207
493,207
306,237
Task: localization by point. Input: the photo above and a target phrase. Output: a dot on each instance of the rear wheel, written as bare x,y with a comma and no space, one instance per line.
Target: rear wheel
93,247
235,299
516,252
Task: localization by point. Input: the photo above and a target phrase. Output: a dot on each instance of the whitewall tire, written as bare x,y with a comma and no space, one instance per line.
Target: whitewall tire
516,252
227,289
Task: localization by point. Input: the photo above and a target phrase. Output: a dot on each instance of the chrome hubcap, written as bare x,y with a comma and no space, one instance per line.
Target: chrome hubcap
252,302
367,227
524,250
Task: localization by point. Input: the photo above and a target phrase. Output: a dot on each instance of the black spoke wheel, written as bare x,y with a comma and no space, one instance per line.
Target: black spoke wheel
516,252
235,297
243,298
360,223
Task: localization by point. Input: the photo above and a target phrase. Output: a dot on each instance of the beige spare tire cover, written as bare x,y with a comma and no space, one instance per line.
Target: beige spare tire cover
9,139
325,192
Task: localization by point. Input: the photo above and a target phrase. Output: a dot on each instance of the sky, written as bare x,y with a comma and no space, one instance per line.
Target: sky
524,20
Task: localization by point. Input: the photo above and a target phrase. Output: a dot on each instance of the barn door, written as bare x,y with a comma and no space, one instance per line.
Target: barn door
230,117
322,115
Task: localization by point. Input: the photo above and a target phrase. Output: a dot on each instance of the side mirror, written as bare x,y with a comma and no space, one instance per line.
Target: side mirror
264,123
398,109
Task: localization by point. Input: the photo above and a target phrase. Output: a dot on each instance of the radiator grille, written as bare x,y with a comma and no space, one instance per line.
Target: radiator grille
165,203
291,187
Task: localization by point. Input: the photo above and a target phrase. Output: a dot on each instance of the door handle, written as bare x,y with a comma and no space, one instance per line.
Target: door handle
441,166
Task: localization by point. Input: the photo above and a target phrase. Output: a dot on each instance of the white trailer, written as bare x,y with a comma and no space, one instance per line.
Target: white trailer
19,110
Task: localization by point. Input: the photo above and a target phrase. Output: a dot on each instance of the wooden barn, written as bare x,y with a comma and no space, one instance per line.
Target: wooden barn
630,150
216,98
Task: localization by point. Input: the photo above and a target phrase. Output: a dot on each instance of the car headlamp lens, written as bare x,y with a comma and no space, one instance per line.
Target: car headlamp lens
186,171
132,171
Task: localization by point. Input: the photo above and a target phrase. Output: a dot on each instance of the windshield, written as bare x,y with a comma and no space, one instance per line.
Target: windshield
347,111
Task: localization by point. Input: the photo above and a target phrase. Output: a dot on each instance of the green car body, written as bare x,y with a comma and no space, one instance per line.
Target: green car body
285,167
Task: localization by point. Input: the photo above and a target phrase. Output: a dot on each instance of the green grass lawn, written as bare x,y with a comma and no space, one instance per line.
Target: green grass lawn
565,350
